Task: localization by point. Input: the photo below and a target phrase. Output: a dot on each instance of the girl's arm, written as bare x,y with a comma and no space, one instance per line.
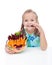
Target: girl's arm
43,42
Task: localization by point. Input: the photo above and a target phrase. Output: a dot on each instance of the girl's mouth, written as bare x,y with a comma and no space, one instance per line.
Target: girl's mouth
32,25
28,26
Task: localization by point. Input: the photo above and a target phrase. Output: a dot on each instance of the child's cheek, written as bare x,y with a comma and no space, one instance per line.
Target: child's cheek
25,23
33,22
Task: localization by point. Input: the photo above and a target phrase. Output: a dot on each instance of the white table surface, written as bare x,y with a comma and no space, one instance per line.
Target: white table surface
31,56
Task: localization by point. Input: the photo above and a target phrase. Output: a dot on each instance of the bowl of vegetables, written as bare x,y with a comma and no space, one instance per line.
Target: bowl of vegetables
17,41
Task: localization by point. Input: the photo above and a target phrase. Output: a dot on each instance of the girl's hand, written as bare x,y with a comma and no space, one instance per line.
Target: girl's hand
43,42
8,50
39,28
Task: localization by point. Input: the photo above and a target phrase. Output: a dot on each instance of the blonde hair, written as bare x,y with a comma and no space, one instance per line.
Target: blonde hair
36,32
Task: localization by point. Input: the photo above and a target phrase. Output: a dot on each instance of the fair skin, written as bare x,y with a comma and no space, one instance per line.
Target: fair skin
30,19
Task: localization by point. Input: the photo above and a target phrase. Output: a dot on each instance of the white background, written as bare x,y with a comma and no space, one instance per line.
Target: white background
10,21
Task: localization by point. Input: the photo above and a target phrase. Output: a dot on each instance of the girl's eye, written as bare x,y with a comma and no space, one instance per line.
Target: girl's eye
26,20
32,20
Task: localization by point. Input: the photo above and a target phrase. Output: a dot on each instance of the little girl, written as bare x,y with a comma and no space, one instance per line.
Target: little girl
32,30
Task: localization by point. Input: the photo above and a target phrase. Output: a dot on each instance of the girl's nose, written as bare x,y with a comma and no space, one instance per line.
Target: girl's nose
29,22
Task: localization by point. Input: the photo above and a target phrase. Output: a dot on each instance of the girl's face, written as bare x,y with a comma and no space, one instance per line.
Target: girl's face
29,20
